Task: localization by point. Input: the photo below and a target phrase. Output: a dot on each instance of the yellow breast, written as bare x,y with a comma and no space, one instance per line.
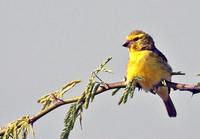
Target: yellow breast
147,66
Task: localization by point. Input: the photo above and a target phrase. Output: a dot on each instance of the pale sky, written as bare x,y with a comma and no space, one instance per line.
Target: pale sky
46,43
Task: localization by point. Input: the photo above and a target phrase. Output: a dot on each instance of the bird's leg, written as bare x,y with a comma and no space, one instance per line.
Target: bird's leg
155,87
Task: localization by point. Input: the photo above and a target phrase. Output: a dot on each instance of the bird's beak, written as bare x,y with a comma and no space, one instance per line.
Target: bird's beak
126,44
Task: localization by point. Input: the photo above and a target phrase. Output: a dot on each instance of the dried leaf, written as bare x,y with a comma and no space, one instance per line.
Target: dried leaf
20,127
67,87
48,99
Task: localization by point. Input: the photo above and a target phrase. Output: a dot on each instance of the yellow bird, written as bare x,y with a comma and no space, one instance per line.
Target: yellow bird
150,65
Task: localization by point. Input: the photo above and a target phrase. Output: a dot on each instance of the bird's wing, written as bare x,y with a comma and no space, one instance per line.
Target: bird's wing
162,59
159,53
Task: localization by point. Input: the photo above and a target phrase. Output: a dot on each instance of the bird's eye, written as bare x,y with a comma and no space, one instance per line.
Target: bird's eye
136,39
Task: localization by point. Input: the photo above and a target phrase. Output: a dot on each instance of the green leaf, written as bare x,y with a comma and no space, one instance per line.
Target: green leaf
128,91
121,100
87,101
88,93
69,121
83,102
125,97
115,91
107,70
95,91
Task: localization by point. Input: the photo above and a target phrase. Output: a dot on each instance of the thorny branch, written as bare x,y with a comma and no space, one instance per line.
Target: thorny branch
103,88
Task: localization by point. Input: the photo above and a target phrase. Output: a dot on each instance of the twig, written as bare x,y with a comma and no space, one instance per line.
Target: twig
195,89
177,73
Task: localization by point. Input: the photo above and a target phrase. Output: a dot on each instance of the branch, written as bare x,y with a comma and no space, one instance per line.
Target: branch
105,87
195,89
100,90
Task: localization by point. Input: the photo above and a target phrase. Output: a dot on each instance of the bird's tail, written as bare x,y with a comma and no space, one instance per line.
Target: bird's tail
170,107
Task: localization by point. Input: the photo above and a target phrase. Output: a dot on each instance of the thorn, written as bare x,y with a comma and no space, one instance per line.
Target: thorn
56,99
101,81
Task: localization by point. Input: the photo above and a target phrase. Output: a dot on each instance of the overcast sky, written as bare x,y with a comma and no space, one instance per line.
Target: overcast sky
46,43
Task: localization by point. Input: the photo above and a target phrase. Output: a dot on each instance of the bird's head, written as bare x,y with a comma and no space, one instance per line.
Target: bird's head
138,40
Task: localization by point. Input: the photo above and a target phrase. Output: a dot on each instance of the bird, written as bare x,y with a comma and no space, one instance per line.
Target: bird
149,64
